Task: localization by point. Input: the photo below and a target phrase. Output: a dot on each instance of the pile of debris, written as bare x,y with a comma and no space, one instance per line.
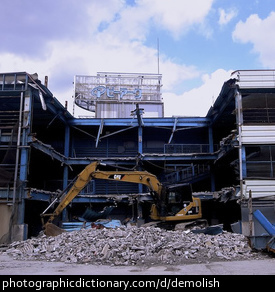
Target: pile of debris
133,246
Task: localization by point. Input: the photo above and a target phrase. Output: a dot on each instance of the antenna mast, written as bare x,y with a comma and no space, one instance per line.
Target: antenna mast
158,53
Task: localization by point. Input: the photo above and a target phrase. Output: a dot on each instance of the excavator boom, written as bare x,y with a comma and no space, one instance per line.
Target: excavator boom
159,210
91,172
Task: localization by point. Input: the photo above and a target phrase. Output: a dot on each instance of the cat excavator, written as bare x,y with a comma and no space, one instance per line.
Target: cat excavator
173,203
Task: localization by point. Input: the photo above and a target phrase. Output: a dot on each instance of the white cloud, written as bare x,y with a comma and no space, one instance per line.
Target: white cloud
68,58
178,16
261,33
198,100
112,39
227,16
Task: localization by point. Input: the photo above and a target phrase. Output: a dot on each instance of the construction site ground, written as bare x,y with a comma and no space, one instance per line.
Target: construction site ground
264,265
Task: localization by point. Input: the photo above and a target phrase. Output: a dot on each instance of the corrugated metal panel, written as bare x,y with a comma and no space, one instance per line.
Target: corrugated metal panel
258,134
259,188
124,109
255,78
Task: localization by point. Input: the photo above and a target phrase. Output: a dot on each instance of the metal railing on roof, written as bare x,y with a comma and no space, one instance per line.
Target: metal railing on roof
13,81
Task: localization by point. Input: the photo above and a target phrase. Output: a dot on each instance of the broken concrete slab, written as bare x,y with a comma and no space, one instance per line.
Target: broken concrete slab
133,246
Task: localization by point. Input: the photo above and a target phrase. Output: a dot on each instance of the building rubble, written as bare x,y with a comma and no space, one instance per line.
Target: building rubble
133,246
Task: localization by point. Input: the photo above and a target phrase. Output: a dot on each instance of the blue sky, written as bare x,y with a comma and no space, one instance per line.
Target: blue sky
201,42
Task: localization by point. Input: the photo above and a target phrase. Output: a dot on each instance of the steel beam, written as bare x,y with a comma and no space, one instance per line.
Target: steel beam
148,122
99,132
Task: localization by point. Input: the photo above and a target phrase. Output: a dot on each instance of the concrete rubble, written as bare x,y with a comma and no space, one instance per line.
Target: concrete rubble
133,246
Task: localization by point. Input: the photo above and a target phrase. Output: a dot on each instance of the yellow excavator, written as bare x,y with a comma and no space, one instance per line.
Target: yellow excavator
171,203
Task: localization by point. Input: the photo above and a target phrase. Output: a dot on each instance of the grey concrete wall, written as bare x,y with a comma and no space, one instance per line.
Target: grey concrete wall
5,214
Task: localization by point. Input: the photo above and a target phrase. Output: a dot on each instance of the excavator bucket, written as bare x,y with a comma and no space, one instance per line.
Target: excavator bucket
52,230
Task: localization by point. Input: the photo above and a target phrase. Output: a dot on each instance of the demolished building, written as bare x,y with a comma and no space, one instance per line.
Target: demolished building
43,147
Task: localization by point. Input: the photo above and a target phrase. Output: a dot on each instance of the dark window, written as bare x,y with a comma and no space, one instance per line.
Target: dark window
260,161
259,109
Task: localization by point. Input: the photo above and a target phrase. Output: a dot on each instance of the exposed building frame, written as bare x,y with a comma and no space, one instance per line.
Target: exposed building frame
52,145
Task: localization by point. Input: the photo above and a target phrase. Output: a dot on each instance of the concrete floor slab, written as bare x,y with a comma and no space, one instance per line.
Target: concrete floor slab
10,266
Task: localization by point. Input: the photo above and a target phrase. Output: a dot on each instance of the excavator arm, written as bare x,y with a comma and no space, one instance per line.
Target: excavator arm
91,172
159,211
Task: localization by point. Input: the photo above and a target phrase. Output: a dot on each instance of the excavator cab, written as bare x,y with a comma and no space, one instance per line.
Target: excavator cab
177,204
178,196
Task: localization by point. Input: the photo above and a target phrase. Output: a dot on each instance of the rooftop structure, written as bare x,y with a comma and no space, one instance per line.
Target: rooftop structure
114,95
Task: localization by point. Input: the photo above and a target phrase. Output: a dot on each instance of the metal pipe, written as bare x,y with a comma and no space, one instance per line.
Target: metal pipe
18,147
51,204
239,120
264,222
250,214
